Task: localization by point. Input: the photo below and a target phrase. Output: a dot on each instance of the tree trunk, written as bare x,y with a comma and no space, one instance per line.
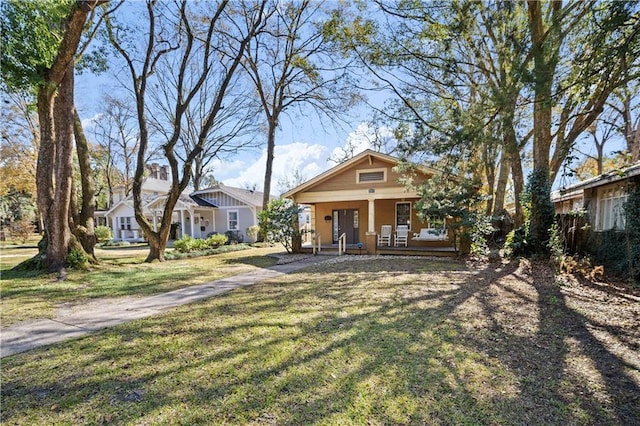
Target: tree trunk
501,186
46,156
271,145
544,63
518,187
491,182
59,231
55,154
85,228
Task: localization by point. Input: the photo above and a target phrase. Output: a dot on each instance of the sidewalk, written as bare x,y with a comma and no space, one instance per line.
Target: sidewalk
86,319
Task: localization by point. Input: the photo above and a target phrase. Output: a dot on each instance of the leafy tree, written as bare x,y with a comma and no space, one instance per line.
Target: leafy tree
40,45
279,222
582,52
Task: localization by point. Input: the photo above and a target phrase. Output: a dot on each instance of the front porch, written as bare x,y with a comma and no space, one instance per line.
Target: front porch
356,249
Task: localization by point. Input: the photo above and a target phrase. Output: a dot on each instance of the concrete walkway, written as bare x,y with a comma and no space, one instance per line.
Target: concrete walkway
97,315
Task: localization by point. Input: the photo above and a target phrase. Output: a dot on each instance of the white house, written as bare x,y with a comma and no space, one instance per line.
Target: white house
219,209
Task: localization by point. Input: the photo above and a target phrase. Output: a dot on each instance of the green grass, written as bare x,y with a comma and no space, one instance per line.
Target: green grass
385,342
122,272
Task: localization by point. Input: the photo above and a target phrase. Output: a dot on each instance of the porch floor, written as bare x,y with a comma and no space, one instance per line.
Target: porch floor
330,249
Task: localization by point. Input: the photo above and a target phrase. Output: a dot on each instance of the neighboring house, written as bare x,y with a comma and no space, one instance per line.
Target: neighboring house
219,209
357,197
602,198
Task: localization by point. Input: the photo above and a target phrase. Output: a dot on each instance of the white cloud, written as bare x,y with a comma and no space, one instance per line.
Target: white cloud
362,138
308,159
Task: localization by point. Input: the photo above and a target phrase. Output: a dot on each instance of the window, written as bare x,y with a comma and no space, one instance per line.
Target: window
232,220
125,222
611,209
371,175
403,214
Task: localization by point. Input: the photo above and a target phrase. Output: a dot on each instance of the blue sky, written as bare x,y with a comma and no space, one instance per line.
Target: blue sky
303,144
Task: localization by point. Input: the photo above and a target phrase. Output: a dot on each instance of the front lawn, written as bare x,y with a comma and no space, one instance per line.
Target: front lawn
390,341
122,272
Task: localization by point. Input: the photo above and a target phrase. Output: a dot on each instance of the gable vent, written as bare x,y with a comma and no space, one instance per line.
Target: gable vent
371,176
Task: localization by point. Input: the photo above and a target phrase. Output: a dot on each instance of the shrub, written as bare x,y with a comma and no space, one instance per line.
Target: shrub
189,244
216,240
116,244
279,222
103,233
77,259
252,232
21,230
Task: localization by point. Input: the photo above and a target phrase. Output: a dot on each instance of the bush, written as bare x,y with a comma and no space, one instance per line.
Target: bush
103,233
279,222
208,252
217,240
252,232
116,243
76,259
21,230
189,244
517,243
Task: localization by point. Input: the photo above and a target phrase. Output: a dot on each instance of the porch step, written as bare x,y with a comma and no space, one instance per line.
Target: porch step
397,251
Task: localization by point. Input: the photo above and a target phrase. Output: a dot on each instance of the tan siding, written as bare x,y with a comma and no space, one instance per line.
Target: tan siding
347,179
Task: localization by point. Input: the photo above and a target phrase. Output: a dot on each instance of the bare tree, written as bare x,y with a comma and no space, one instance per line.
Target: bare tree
292,65
232,131
117,133
178,36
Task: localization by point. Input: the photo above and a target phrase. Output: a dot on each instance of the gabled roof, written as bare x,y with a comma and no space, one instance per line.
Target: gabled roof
603,179
201,201
247,196
345,165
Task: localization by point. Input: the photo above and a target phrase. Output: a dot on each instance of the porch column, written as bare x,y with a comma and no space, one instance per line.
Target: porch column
193,219
155,222
372,216
181,223
213,220
371,237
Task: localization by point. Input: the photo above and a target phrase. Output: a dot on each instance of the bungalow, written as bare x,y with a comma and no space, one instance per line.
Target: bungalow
360,199
218,209
601,197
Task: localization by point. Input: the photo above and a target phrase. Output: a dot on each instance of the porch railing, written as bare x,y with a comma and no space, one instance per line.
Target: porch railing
317,243
342,244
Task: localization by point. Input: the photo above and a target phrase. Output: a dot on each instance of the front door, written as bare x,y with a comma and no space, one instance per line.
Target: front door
346,221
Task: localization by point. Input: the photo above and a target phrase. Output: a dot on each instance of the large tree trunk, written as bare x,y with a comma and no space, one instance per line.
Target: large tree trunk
85,228
59,231
55,154
544,63
46,157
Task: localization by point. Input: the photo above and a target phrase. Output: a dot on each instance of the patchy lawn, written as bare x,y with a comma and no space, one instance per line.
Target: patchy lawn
390,341
122,272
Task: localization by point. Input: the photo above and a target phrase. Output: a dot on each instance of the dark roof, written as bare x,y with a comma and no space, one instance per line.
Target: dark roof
201,201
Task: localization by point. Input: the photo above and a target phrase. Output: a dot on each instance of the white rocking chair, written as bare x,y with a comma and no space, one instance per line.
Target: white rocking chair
385,235
402,235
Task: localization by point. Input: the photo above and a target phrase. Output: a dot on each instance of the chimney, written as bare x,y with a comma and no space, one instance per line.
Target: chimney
154,170
164,173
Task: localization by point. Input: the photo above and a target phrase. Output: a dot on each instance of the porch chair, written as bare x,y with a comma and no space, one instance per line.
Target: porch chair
402,235
385,235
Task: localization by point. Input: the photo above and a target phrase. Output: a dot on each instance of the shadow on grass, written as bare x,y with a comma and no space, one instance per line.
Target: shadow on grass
370,345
